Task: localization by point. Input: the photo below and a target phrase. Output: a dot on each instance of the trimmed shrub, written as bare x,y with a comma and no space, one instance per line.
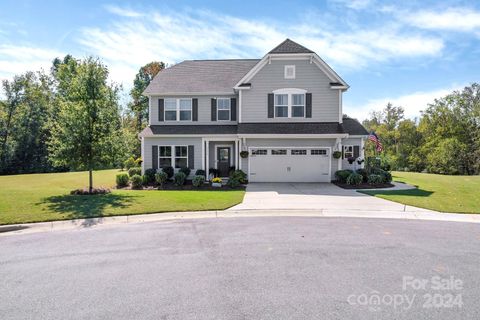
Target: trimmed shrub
198,180
342,175
233,182
169,171
134,171
160,178
122,180
387,176
375,179
185,170
129,163
239,175
354,179
86,191
137,181
179,178
200,172
364,174
150,174
144,180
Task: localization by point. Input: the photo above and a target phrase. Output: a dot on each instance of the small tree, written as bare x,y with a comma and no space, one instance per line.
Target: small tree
87,131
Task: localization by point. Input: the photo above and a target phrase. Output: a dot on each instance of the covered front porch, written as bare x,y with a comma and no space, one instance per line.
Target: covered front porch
221,154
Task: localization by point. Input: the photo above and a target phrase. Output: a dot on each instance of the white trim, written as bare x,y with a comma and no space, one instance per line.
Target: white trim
344,152
177,109
229,109
239,107
237,155
203,154
358,136
173,155
289,92
293,136
142,153
340,111
294,147
203,93
338,144
285,71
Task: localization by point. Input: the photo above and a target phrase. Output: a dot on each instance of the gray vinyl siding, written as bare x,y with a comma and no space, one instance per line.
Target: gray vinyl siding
290,143
351,142
151,141
204,111
307,76
212,152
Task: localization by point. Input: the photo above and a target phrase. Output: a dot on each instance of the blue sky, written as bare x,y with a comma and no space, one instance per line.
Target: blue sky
406,53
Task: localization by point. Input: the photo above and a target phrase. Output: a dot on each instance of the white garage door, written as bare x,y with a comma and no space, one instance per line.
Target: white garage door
289,164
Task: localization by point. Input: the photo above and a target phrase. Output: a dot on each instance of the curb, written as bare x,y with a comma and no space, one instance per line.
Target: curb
80,224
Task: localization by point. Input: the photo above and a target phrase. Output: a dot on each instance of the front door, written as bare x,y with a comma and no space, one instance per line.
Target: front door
223,161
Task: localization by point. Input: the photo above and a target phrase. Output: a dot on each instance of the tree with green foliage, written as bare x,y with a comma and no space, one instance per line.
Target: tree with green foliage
87,131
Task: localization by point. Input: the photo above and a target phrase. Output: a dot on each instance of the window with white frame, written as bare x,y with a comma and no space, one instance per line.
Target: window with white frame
178,109
318,152
298,105
259,152
289,72
281,105
181,156
165,156
298,152
347,152
279,152
223,109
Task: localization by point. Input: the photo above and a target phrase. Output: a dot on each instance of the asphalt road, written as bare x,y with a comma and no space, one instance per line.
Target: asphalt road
245,268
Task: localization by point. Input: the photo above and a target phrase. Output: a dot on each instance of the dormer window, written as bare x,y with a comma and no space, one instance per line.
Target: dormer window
289,72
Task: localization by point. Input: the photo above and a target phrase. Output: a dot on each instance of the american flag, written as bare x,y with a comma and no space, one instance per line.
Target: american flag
374,138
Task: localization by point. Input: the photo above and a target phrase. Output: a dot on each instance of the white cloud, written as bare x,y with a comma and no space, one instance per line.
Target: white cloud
134,40
18,59
355,4
123,12
455,19
413,103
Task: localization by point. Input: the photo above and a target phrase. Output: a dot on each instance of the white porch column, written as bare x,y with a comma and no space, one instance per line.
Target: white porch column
203,154
362,151
207,153
339,146
237,155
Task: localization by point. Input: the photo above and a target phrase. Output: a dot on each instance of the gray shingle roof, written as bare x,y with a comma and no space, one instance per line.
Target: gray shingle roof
195,76
353,127
289,46
290,128
188,129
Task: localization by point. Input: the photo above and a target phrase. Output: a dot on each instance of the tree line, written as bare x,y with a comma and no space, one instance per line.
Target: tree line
71,118
445,139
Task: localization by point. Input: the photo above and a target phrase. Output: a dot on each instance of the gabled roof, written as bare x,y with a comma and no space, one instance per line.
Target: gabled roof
353,127
200,76
289,46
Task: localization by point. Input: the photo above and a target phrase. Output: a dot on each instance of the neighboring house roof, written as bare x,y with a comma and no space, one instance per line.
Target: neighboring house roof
200,76
289,46
290,128
188,129
353,127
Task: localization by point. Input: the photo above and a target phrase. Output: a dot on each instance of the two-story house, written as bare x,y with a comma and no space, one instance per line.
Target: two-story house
285,110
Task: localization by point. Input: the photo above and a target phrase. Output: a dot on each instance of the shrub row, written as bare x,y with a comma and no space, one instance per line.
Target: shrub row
372,176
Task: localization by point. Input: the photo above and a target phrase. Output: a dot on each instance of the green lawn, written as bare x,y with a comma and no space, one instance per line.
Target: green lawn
437,192
45,197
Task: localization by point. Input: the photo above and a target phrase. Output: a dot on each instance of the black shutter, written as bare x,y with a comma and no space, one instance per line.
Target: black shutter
308,105
155,157
214,109
191,157
233,109
271,110
356,151
161,108
194,109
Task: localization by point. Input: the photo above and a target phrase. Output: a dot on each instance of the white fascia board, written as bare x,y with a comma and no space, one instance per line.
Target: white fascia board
328,70
206,136
253,71
292,136
161,94
358,136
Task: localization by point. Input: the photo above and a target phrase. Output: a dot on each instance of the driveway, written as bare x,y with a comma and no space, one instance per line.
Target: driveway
313,196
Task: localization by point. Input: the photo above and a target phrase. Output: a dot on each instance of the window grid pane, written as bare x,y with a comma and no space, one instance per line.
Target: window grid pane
281,99
259,152
223,104
318,152
281,112
279,152
181,151
186,115
223,114
298,99
299,152
185,104
170,104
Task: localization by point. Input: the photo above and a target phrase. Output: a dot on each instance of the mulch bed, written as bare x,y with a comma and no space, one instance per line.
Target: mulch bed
363,185
187,186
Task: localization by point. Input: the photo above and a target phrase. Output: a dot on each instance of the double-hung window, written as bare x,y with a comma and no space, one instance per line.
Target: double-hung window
347,152
181,156
173,156
165,156
178,109
223,109
281,105
298,105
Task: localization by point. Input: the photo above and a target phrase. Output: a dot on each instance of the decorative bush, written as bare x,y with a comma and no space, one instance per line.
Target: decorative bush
122,180
137,181
86,192
144,180
387,176
129,163
337,154
160,178
364,174
150,174
342,175
169,171
375,179
179,178
200,172
198,180
239,175
138,161
244,154
185,170
233,182
213,171
134,171
354,179
216,180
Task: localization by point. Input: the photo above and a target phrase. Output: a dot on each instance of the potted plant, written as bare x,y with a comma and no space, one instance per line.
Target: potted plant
216,182
360,161
244,154
350,160
337,154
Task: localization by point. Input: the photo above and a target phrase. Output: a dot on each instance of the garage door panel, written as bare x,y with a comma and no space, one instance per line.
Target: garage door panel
297,165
